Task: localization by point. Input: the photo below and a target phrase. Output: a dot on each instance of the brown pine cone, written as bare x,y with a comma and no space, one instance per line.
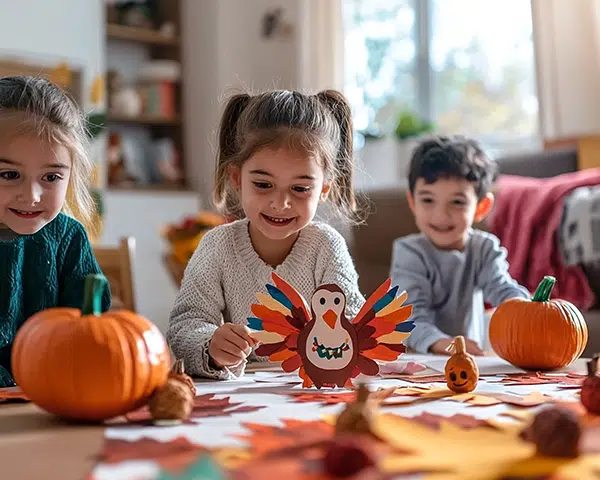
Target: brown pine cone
556,432
172,401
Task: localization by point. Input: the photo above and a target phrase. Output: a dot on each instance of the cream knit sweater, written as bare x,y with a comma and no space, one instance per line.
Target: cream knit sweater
225,273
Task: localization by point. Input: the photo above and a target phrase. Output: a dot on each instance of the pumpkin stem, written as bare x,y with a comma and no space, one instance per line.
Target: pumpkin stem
592,365
178,367
92,294
459,345
544,289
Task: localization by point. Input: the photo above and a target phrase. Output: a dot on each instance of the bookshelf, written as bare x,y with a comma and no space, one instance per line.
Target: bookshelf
146,136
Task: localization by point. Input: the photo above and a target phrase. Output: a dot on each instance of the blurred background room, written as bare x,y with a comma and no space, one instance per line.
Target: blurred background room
521,76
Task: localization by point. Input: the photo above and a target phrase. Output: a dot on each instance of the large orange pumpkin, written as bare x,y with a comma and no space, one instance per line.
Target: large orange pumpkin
87,365
538,334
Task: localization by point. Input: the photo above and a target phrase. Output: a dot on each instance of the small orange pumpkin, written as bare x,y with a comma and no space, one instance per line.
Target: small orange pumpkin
462,372
86,365
538,334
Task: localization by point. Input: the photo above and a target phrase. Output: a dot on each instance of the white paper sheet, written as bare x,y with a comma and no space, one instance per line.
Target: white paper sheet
488,365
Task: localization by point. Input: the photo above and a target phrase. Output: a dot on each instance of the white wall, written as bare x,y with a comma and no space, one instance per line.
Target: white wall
54,31
568,64
225,53
143,215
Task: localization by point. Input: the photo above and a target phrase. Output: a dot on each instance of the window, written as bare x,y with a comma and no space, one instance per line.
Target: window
466,65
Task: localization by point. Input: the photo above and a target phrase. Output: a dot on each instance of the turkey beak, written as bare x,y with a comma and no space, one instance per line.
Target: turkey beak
330,318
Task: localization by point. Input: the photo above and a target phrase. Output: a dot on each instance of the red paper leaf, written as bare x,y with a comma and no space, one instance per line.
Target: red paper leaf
12,394
399,368
324,398
465,421
419,379
204,406
571,379
266,439
171,455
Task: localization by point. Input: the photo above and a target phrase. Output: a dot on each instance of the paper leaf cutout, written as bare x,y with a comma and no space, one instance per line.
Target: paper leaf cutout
401,368
171,455
328,350
204,406
571,379
342,397
295,434
12,394
419,378
485,399
434,421
204,468
477,453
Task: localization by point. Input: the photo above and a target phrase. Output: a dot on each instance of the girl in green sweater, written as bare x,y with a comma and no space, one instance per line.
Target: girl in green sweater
45,254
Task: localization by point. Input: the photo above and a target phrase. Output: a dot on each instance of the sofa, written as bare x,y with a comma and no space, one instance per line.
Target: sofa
389,217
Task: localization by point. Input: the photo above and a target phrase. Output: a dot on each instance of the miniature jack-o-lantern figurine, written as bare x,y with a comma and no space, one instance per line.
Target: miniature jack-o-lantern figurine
462,373
590,390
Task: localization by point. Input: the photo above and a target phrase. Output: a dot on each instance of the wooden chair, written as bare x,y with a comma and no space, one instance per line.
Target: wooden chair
116,265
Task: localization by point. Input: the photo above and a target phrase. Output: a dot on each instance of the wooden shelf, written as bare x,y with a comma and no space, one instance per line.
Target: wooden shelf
139,35
143,119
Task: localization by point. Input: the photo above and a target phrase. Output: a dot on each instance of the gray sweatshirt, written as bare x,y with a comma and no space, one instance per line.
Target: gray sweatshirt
447,288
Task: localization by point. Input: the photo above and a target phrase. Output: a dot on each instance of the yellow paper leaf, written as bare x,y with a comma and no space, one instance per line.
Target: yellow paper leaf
393,305
475,399
393,337
266,337
273,304
453,453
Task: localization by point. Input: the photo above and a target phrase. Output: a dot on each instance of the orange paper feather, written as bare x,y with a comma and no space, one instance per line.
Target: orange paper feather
373,299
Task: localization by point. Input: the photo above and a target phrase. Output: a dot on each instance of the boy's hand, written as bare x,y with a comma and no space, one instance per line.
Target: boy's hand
230,345
440,347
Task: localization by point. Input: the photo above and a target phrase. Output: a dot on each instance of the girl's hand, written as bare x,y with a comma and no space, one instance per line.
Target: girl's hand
440,347
230,345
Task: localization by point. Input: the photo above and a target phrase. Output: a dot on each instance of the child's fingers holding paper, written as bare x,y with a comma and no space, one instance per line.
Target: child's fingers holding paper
244,333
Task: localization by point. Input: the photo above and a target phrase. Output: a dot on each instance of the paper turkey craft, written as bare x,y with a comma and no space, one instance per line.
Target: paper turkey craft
328,348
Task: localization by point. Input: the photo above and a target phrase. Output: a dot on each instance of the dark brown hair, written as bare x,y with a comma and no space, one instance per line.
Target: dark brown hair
30,105
320,125
452,157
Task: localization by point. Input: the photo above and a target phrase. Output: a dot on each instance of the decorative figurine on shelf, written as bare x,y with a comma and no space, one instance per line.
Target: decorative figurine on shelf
327,348
462,372
590,390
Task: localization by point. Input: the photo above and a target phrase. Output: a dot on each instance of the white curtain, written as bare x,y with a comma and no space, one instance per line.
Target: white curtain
567,47
321,59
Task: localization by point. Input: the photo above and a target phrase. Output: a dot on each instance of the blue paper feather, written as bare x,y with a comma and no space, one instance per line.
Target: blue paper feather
406,326
280,296
385,300
255,323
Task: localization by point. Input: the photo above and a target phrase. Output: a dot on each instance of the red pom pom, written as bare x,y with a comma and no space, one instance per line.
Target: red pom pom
347,455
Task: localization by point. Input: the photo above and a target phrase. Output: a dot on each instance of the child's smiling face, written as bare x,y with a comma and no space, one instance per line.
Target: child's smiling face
280,190
34,176
444,210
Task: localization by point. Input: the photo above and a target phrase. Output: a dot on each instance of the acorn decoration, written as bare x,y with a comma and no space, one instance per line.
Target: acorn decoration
556,432
347,455
178,373
462,372
358,416
590,390
172,402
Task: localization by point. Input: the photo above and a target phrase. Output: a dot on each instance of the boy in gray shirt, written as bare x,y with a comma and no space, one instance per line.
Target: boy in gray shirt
450,268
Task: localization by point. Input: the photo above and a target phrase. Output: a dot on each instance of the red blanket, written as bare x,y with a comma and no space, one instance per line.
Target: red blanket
526,219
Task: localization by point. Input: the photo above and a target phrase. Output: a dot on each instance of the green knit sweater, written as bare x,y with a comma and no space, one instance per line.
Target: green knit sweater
39,271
